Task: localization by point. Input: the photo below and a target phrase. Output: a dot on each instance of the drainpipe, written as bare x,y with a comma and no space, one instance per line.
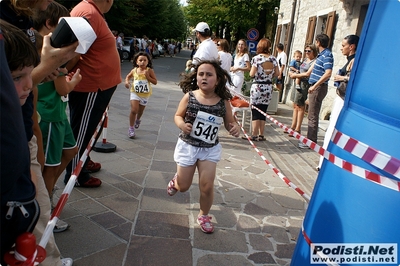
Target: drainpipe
291,29
289,44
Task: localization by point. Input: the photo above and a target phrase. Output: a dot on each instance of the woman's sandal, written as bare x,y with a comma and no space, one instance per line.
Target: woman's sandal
261,138
291,135
287,132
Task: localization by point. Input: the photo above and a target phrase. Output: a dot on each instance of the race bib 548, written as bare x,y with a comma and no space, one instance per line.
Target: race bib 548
206,126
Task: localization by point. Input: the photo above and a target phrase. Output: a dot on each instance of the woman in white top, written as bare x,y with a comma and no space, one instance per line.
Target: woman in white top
241,63
224,56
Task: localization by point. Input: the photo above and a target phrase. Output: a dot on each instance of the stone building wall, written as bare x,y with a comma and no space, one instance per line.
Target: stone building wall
347,22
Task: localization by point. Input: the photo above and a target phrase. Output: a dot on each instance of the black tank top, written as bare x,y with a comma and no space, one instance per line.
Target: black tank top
191,112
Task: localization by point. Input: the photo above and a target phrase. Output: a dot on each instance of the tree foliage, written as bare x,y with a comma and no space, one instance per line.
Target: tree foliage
154,18
236,16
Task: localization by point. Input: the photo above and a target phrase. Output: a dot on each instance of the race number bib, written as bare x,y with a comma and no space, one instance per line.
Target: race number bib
141,86
206,127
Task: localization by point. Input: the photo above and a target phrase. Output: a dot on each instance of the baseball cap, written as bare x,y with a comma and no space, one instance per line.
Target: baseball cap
202,27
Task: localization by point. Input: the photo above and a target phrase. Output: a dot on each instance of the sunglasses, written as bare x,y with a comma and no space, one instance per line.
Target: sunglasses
307,51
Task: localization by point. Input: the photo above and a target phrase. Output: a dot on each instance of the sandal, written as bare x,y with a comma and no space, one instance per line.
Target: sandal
291,135
254,138
261,138
287,132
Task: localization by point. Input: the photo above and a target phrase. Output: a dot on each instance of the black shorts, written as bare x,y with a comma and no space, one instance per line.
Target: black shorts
256,115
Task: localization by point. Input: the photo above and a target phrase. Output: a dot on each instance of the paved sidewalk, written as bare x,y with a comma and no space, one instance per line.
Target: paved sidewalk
130,219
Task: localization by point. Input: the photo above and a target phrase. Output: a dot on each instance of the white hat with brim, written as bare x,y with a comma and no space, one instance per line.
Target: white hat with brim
202,27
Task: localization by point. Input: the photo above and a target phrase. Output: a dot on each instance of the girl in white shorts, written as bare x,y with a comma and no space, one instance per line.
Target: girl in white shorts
143,76
201,112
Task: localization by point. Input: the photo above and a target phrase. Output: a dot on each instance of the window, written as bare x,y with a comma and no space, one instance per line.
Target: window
282,36
322,24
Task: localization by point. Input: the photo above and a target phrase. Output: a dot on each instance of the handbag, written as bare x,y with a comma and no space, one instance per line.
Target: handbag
341,90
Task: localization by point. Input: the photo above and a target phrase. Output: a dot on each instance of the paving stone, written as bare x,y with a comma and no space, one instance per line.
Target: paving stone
112,256
220,241
260,242
130,188
221,259
159,251
108,219
285,250
261,258
248,224
279,234
162,225
159,201
124,205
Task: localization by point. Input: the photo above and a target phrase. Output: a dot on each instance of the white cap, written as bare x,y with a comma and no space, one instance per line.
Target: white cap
202,27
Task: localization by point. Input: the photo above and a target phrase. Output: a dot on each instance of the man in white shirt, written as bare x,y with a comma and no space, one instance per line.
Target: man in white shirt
207,49
282,62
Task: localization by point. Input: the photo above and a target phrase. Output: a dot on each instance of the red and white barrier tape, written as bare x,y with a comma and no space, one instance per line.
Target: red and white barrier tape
377,158
280,175
105,125
354,169
68,187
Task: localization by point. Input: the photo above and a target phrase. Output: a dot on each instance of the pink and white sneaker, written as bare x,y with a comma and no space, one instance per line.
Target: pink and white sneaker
171,190
205,224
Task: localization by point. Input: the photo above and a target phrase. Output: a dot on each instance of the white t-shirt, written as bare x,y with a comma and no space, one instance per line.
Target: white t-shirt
207,51
226,60
282,60
240,61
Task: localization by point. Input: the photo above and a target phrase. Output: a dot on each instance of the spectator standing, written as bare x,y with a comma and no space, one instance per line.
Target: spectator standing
349,47
120,44
58,140
301,95
282,61
264,68
90,98
193,49
179,46
318,89
224,55
207,49
171,49
241,64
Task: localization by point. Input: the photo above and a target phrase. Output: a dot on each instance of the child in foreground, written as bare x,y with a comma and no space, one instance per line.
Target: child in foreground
143,75
201,112
19,208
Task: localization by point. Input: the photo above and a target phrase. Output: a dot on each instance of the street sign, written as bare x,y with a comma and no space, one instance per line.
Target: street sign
252,46
253,34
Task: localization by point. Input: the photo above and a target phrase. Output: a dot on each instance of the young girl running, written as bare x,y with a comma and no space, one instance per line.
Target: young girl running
202,110
143,75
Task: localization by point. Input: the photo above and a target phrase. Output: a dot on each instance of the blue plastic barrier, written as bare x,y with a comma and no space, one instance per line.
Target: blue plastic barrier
345,208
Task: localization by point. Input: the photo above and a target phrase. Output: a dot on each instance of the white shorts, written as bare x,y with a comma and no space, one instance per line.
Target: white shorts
142,100
187,155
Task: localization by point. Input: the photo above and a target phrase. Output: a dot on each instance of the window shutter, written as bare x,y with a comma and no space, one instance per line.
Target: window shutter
312,21
330,26
277,38
285,43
